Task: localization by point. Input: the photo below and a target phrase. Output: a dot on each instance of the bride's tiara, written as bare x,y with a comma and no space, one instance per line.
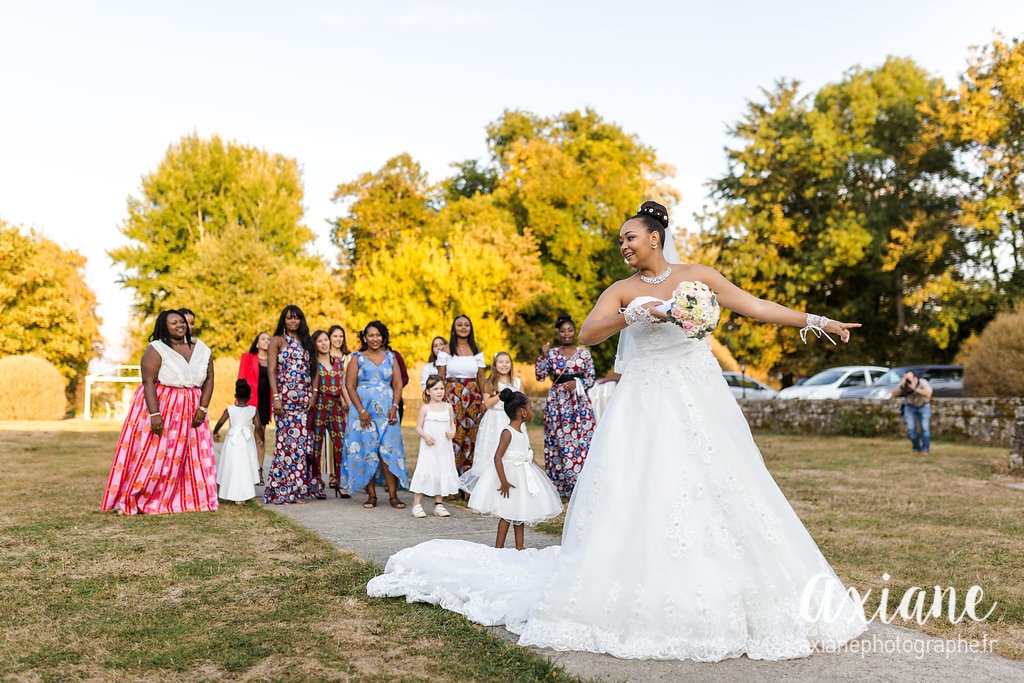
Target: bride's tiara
661,216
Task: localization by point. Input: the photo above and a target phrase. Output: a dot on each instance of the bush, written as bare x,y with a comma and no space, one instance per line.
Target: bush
995,364
225,372
31,388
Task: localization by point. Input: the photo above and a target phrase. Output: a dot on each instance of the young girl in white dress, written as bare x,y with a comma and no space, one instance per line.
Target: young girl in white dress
238,469
515,489
494,419
435,473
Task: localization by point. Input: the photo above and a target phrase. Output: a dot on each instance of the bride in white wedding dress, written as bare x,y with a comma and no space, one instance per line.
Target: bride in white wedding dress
677,543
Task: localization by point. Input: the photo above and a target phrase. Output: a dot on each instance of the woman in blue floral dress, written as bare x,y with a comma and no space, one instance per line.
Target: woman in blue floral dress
373,437
291,479
568,414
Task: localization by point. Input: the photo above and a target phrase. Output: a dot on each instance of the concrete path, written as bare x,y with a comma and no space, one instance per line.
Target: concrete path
884,653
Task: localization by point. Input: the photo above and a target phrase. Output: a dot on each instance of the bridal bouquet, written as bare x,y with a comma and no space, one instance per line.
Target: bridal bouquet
694,308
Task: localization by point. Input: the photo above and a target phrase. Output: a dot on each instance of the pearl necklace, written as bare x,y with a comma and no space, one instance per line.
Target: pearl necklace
656,280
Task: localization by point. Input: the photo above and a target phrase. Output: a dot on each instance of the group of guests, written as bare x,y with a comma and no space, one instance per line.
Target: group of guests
336,412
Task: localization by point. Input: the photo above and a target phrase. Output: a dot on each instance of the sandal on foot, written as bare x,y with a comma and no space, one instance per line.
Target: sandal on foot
417,511
371,502
396,503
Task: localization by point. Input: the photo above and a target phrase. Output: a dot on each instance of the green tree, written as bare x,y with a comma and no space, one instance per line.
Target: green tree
571,181
984,117
46,308
201,189
384,207
471,261
551,196
238,286
840,204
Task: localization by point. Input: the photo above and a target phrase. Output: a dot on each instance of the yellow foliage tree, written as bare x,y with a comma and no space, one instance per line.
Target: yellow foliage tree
482,268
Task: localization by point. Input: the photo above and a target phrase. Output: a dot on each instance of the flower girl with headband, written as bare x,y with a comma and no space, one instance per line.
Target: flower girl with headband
494,419
435,473
515,489
238,470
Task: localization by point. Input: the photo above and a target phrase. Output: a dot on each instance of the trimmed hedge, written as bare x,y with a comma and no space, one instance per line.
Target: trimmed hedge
31,388
995,363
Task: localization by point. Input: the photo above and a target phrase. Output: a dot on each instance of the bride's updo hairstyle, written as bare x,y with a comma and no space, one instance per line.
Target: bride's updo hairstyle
564,318
654,216
514,401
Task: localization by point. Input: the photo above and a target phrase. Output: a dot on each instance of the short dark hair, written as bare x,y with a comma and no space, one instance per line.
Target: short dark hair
380,327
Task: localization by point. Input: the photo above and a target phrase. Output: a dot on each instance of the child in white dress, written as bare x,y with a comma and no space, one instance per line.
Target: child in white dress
435,473
494,419
238,469
515,489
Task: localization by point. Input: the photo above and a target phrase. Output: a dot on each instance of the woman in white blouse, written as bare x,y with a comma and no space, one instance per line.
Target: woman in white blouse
462,368
164,458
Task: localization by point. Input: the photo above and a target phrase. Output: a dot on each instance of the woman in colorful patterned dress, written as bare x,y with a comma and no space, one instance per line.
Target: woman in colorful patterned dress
373,437
291,478
164,457
328,414
462,368
568,415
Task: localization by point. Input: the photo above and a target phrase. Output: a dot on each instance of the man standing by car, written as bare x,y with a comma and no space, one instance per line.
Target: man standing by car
917,409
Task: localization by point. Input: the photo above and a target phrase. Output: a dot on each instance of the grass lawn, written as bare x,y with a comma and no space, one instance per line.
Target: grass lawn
246,593
949,518
241,593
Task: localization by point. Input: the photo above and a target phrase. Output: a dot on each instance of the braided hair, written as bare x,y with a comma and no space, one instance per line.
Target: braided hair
162,333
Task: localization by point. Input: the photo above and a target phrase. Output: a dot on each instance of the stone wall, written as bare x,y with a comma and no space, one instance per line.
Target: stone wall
978,420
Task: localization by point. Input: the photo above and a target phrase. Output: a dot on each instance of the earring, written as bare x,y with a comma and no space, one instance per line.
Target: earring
654,246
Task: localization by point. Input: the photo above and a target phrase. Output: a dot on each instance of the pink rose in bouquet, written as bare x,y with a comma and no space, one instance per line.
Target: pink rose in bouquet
694,307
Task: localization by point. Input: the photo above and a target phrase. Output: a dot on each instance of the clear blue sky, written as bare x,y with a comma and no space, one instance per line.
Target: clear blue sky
92,94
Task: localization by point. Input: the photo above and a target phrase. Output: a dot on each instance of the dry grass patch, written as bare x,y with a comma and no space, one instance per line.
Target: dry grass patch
242,593
949,518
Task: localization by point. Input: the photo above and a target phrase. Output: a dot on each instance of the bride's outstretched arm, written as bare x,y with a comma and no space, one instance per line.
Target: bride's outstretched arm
604,319
735,299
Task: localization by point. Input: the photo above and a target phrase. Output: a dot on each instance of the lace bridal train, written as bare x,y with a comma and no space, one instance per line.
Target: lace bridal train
677,542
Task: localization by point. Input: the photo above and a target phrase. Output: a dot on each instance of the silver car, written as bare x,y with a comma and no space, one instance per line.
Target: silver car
832,382
742,387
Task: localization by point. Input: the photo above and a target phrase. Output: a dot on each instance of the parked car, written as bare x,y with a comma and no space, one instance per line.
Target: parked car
742,386
946,380
831,383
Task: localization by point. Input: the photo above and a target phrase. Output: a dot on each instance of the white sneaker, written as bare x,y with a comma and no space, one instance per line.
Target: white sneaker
440,511
417,511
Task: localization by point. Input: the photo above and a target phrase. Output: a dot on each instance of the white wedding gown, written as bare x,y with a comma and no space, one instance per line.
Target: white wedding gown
677,542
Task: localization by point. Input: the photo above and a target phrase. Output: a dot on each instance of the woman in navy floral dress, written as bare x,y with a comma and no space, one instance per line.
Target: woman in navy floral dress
568,415
291,479
373,437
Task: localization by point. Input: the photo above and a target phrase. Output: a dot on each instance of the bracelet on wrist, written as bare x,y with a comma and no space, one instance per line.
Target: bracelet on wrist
204,409
154,414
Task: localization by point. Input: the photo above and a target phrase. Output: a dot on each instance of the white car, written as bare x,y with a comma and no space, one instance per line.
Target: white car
742,386
831,383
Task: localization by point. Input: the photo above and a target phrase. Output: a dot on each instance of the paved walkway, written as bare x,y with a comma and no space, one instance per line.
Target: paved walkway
884,653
